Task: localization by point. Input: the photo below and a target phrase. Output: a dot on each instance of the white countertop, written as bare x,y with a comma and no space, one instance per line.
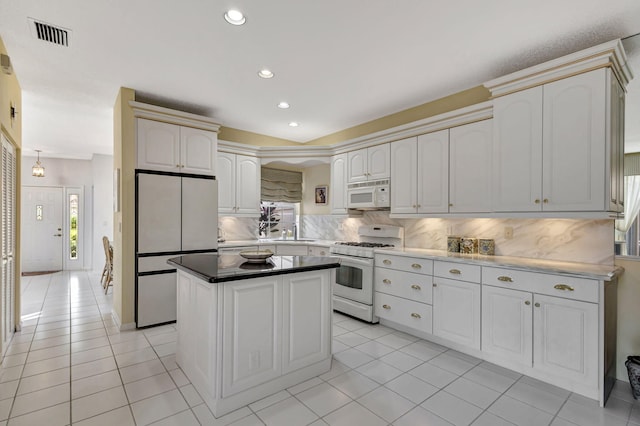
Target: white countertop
583,270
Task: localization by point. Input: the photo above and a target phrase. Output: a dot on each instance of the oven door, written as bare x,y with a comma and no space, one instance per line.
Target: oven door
354,279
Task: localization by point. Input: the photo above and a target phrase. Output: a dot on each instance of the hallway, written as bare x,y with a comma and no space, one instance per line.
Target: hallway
71,365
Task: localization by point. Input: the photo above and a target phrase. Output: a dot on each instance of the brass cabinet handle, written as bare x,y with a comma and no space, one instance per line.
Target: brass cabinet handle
322,253
537,305
416,266
563,287
414,206
546,200
386,281
450,205
413,314
178,165
386,262
537,201
386,306
455,271
416,287
505,279
435,285
527,302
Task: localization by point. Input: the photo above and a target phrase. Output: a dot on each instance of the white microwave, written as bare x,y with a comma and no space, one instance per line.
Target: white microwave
369,195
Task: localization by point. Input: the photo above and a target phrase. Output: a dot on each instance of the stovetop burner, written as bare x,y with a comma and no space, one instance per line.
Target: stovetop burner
358,244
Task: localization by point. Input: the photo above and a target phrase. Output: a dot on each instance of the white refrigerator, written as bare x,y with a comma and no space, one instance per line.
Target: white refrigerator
175,214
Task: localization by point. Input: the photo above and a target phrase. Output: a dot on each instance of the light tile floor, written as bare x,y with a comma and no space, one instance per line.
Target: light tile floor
71,365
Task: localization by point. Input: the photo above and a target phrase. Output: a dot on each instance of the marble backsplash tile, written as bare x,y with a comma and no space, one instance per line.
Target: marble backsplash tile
572,240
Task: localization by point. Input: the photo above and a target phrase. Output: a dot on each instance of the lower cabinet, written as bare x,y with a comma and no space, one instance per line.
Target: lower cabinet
408,313
456,311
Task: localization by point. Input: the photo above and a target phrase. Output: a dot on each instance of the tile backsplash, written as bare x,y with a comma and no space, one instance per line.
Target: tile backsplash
572,240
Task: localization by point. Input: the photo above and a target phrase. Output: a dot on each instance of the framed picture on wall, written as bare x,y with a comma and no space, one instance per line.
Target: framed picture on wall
322,195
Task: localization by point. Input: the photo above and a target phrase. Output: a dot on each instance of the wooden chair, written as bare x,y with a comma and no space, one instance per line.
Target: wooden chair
107,271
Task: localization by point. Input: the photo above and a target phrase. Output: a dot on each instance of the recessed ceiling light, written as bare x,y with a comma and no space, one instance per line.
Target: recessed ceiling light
234,17
265,73
294,124
283,105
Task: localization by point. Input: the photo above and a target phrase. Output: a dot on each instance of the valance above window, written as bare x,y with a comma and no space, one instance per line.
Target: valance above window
281,185
632,164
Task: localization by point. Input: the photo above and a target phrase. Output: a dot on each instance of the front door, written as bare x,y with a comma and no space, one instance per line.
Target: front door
42,222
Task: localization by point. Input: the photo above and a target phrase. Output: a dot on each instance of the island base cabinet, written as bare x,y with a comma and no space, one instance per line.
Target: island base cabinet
456,311
566,339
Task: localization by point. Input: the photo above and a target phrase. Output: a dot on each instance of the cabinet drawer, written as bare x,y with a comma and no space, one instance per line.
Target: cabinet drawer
405,312
457,271
549,284
411,286
409,264
155,263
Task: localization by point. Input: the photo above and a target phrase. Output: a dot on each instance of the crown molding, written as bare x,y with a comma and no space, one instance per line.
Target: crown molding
167,115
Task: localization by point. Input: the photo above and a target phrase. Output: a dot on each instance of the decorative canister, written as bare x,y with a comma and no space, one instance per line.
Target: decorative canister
469,245
486,246
453,244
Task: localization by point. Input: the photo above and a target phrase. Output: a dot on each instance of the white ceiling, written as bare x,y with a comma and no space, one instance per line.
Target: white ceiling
338,63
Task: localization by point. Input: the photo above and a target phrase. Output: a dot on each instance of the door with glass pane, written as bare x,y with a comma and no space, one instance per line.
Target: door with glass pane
42,228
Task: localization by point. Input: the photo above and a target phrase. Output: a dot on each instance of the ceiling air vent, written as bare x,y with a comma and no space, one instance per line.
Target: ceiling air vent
50,33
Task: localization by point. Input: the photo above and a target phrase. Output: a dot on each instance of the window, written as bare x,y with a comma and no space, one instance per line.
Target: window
73,226
276,218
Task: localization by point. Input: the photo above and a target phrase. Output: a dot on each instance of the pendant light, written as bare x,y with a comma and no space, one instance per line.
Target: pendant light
37,170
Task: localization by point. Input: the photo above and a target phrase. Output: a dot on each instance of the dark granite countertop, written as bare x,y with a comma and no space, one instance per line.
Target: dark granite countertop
218,268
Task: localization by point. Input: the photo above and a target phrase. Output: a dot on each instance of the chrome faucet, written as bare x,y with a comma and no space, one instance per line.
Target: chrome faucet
295,231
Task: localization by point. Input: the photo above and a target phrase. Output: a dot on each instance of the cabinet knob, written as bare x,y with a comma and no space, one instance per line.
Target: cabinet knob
505,279
450,205
386,306
537,305
419,206
386,262
178,165
414,315
416,266
527,303
546,200
435,285
414,206
416,287
455,271
322,253
537,201
563,287
386,281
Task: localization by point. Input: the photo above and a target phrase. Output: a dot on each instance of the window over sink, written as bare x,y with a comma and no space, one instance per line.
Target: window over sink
278,219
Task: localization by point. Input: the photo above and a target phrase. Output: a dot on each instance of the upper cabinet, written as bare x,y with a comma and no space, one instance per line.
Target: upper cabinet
339,184
557,147
369,164
239,187
172,148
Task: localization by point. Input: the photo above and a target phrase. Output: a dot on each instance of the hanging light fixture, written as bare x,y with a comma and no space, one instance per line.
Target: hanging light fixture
37,170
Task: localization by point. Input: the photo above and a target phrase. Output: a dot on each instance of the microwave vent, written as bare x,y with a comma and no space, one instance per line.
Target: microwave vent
368,184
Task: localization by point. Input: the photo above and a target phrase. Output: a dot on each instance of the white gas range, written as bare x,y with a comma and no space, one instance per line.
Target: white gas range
353,289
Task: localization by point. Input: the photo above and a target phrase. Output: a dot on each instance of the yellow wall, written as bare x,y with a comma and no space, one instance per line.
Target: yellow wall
458,100
312,177
124,221
11,93
628,313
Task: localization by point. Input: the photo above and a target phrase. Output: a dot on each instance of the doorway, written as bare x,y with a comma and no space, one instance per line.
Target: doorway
42,229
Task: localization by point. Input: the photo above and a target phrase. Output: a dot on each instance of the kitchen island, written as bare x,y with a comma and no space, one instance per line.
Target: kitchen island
247,330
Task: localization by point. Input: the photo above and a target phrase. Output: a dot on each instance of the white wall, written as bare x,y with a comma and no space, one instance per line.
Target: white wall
102,168
68,173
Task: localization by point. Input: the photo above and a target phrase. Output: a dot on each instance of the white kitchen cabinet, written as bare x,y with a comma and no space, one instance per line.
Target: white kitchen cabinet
306,332
470,162
338,197
420,174
318,250
552,152
292,250
371,163
566,339
172,148
239,177
507,324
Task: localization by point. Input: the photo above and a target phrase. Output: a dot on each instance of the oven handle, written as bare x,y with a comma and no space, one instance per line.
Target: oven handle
353,260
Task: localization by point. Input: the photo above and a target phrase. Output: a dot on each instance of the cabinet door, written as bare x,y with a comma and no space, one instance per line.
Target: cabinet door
404,176
199,213
339,184
252,324
379,162
566,339
574,143
159,213
507,321
156,299
247,185
307,319
227,183
357,166
616,141
318,251
456,311
517,151
198,149
158,145
470,167
433,172
291,250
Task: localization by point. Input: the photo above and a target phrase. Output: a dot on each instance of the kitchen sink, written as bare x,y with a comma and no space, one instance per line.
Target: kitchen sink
304,240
